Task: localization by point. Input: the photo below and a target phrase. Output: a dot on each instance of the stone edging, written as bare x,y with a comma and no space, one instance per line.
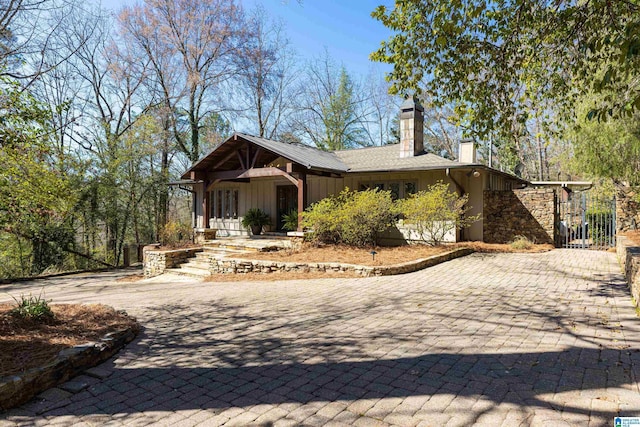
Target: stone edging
18,389
239,265
629,258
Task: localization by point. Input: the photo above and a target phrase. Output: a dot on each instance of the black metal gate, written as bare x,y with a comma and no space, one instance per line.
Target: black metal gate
586,221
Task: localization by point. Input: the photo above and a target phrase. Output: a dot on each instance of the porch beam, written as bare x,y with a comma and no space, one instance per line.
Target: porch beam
253,173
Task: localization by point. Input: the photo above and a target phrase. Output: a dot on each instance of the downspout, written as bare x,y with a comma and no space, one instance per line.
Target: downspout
459,188
460,191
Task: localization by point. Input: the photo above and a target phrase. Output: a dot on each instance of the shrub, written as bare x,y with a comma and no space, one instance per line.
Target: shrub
290,220
353,218
323,220
32,308
436,211
521,243
176,233
255,217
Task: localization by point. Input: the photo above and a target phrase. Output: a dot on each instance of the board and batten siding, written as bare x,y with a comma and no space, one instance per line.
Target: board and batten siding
261,193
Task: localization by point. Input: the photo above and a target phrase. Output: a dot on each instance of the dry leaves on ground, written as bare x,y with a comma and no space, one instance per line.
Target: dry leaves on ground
26,344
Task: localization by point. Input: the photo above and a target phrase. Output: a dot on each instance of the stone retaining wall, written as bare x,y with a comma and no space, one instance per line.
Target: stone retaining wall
237,265
627,209
528,212
18,389
156,261
629,257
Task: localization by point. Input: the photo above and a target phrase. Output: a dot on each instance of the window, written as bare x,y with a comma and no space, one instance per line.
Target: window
410,188
224,203
398,189
394,187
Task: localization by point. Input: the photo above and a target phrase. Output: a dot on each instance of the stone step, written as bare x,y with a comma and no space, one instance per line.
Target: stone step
231,247
195,272
228,249
196,263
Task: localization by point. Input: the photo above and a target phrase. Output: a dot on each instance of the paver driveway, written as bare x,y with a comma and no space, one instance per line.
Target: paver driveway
509,339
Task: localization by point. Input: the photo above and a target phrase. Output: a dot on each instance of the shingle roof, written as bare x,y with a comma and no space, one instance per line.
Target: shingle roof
304,155
387,158
370,159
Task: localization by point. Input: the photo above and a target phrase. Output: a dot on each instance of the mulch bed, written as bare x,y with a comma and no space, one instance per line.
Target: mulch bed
384,255
349,255
26,344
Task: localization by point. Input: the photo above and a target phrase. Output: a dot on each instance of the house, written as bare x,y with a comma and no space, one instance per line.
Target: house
247,172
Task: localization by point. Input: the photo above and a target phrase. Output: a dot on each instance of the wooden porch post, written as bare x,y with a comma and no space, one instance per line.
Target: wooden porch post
302,197
205,206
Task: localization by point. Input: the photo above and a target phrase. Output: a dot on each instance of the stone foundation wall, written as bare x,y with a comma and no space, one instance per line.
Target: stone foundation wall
528,212
627,209
629,257
156,261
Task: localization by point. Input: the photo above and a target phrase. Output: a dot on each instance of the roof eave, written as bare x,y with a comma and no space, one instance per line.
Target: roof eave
443,167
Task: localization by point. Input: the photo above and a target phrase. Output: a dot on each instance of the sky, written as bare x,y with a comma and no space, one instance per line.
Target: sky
344,27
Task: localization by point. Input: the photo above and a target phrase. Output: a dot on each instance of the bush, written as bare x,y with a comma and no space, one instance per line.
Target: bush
32,308
290,220
521,243
436,211
352,218
176,234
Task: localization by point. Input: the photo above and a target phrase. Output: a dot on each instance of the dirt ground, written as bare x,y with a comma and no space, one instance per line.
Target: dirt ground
26,344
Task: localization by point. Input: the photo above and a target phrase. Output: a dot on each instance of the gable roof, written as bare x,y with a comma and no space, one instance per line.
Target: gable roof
369,159
305,155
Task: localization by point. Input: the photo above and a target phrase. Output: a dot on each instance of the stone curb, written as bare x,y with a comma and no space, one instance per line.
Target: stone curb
238,265
18,389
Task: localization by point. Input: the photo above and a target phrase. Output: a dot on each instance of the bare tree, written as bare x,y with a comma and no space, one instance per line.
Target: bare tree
330,107
382,110
442,134
29,34
191,46
267,72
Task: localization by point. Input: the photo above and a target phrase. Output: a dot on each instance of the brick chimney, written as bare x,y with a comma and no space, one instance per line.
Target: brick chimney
411,128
